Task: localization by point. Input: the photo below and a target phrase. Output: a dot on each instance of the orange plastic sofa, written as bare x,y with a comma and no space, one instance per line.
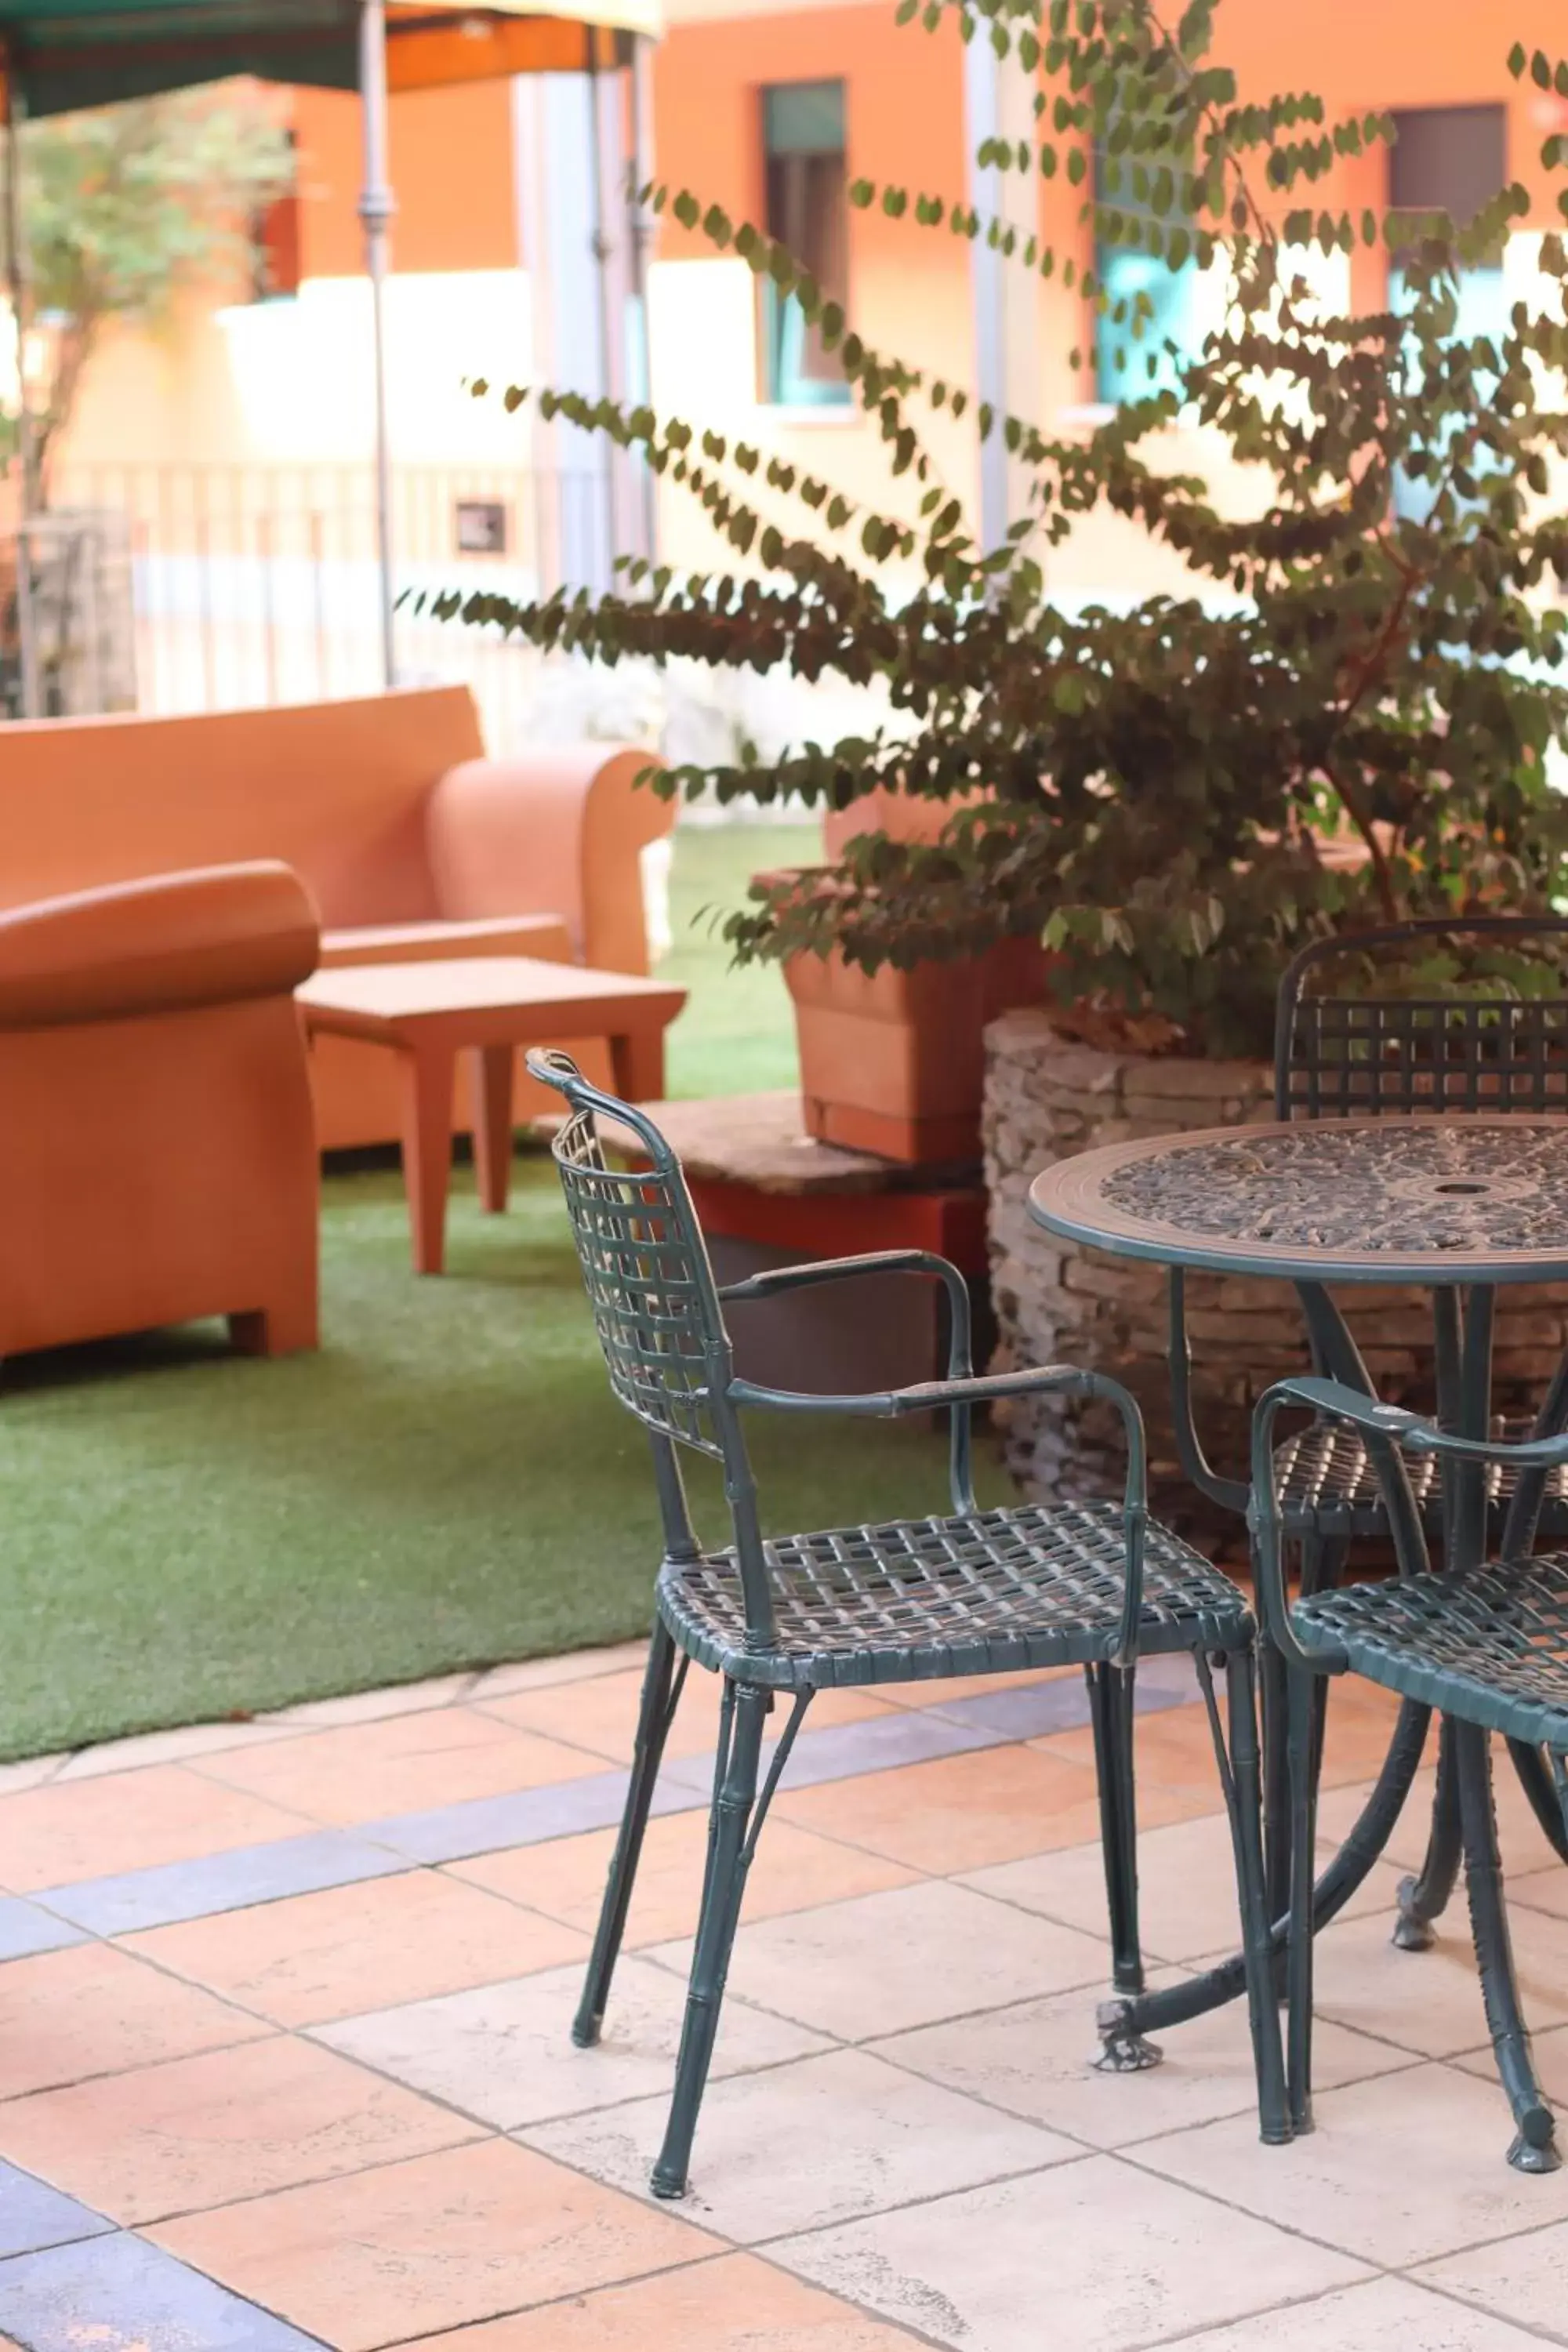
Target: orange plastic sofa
158,1154
410,842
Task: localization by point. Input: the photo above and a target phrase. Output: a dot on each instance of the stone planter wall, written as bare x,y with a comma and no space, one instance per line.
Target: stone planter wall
1046,1099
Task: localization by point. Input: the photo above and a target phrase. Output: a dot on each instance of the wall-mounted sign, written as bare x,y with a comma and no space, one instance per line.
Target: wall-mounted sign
481,527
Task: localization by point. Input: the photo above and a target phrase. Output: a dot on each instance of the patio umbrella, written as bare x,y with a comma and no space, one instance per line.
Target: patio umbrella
59,54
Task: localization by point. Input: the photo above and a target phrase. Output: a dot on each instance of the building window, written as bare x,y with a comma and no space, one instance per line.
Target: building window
808,211
1450,159
275,242
1129,366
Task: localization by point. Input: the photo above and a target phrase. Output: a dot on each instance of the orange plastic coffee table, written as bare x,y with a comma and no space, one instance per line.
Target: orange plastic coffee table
489,1005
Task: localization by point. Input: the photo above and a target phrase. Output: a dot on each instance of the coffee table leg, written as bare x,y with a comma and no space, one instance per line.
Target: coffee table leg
427,1076
637,1061
492,1124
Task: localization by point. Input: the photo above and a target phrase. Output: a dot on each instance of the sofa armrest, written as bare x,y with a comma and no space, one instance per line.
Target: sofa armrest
551,831
212,935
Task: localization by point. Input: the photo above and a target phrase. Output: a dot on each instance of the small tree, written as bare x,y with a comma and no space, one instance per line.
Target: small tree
1167,794
125,205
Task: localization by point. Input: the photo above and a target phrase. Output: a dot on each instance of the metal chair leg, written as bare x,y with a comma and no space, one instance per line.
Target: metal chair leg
1304,1715
1276,1772
1322,1574
1241,1780
661,1690
1421,1900
1534,2149
1110,1713
734,1795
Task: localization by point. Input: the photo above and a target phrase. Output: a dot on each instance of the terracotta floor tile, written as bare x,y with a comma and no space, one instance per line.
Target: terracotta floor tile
960,1813
203,2131
1173,1749
132,1821
180,1746
903,1958
410,2248
946,1688
1088,2257
361,1772
1384,2311
94,2011
319,1956
543,1674
375,1705
734,2305
794,1871
805,2146
504,2054
1397,2171
601,1714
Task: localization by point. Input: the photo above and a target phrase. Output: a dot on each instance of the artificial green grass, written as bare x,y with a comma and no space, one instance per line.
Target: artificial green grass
190,1533
187,1533
737,1032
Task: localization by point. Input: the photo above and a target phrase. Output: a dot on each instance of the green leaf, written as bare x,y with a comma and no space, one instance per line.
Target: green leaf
862,195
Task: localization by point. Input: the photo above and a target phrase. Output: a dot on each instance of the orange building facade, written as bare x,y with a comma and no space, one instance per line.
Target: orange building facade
745,105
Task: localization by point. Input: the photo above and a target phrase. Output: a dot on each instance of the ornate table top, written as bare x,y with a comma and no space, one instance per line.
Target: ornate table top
1379,1200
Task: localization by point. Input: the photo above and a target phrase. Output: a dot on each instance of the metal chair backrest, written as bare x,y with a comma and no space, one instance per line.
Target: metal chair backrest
1365,1056
645,1266
657,1313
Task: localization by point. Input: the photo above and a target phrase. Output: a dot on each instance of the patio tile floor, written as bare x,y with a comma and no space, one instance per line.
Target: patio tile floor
284,2060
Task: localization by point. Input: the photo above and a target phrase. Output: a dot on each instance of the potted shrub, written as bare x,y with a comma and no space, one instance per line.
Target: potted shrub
1348,721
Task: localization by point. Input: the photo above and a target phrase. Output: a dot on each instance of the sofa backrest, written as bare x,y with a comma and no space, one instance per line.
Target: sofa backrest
336,790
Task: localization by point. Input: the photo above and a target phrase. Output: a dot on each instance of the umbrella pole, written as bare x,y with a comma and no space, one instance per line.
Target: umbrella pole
609,389
26,619
376,211
640,224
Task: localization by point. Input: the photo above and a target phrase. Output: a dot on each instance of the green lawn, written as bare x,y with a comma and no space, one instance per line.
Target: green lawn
447,1482
737,1033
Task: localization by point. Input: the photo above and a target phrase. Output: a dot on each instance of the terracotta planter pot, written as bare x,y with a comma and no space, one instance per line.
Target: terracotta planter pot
894,1063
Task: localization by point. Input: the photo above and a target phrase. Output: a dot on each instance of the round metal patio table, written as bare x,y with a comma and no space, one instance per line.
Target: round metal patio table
1457,1205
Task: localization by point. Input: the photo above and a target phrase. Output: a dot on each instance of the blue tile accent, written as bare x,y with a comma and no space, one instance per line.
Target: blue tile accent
487,1825
1034,1710
173,1891
119,2293
845,1750
24,1929
303,1865
33,2215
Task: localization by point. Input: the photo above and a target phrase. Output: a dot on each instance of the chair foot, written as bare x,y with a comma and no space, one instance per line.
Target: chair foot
667,2186
585,2031
1122,2049
1535,2150
1412,1932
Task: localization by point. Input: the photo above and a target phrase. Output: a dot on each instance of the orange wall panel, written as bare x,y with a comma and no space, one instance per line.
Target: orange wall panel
452,170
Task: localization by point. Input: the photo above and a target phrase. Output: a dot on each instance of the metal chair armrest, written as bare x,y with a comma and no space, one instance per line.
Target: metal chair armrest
774,1279
959,1396
960,1341
1415,1430
1230,1494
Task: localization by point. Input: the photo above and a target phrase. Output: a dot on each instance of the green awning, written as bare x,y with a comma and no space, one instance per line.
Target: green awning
65,54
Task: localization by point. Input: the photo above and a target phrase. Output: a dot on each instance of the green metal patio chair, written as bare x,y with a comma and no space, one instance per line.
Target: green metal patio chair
1488,1645
1489,1052
979,1592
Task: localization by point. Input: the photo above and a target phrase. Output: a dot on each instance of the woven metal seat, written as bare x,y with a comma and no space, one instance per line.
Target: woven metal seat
987,1593
1486,1645
1491,1643
974,1591
1327,1484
